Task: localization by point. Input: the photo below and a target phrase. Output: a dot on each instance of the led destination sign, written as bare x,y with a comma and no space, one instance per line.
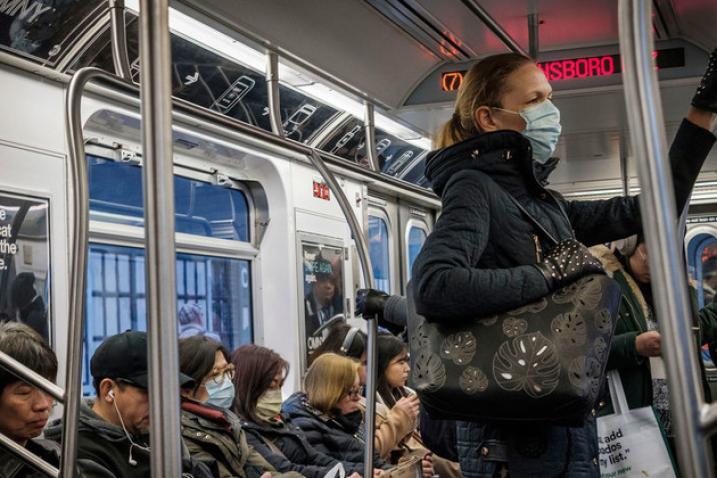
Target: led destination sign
579,68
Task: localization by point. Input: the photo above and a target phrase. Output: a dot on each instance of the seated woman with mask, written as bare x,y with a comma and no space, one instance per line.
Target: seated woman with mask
212,433
259,375
392,425
329,411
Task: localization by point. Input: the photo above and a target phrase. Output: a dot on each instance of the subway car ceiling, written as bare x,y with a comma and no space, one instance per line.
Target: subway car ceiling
402,54
406,57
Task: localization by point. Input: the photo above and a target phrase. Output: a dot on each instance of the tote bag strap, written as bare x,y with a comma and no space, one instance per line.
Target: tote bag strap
617,392
546,234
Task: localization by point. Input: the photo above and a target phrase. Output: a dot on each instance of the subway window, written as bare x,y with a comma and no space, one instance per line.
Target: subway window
379,247
214,293
416,237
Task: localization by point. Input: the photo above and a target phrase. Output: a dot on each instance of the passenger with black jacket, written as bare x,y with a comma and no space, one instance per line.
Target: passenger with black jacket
484,257
112,433
259,376
25,409
212,432
329,413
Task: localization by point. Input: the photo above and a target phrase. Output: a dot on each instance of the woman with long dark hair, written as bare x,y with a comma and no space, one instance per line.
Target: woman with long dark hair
212,433
259,376
485,257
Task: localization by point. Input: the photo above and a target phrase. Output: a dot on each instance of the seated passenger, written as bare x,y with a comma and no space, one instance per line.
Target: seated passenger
112,438
329,411
212,433
392,375
392,425
260,373
25,409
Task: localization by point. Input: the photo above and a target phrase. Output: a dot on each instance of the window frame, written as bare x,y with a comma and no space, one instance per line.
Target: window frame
693,234
412,223
123,235
382,213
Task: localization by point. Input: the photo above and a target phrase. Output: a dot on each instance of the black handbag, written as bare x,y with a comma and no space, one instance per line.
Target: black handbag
544,361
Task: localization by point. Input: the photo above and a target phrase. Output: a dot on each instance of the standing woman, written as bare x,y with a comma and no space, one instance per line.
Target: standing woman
484,257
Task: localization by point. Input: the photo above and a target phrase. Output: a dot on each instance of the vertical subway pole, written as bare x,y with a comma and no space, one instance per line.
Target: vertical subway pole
120,57
370,125
533,35
155,93
365,260
272,86
659,216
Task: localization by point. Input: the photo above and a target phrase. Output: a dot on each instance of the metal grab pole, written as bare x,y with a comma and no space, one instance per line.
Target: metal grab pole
370,128
365,260
659,216
120,57
156,113
34,460
31,377
494,26
272,86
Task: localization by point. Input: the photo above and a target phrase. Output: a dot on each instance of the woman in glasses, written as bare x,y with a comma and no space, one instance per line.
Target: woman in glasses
329,409
212,433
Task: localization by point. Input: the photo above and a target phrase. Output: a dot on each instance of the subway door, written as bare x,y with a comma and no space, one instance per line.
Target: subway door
701,250
416,224
323,268
383,226
33,243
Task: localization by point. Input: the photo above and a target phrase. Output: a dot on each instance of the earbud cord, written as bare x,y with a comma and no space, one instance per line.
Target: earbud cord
130,460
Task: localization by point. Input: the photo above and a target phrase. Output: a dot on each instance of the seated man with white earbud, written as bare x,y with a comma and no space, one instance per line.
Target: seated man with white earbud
113,438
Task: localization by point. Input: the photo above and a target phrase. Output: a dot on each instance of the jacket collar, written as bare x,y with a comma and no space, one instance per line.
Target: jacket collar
506,156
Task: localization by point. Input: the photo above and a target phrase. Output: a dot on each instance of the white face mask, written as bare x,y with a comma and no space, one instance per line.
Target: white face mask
542,128
220,394
268,405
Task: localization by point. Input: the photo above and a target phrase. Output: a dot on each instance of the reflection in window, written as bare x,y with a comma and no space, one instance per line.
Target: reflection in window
416,175
416,238
44,30
349,142
379,252
213,298
213,81
702,260
203,209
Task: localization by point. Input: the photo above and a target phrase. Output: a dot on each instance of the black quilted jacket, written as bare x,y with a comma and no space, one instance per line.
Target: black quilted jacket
478,260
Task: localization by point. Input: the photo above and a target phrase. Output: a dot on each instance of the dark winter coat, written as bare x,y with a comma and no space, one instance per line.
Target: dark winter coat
326,434
480,259
103,449
285,446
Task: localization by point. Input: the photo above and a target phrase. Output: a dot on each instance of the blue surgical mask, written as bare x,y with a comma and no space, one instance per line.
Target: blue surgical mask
220,394
542,128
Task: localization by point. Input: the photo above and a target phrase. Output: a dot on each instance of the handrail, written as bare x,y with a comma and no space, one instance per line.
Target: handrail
26,455
370,141
494,26
659,217
160,254
120,57
78,269
365,260
30,376
272,85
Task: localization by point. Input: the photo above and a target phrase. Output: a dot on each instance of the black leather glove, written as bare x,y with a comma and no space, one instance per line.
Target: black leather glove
567,262
370,302
706,96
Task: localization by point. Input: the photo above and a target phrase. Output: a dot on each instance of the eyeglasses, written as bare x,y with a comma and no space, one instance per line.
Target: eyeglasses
354,392
217,376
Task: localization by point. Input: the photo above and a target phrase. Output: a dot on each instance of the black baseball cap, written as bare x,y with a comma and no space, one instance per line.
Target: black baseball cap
124,357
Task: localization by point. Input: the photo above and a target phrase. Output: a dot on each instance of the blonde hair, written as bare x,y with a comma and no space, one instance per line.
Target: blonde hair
328,379
484,84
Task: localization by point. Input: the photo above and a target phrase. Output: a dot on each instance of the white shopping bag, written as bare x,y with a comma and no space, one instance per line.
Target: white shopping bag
630,441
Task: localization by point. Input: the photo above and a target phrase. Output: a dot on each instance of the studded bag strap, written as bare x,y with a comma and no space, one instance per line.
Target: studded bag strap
534,221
